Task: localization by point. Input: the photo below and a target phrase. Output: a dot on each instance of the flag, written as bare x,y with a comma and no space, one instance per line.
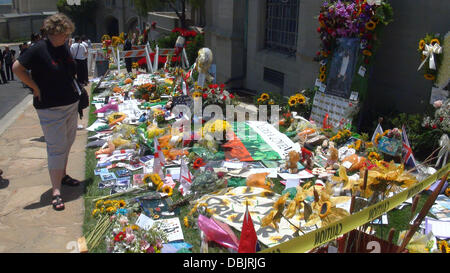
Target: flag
407,154
248,241
379,130
159,152
185,178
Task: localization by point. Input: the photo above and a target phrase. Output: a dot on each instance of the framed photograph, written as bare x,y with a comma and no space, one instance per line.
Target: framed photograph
343,65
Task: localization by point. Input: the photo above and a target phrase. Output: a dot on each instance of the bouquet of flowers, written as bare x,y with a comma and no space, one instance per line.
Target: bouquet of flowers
430,51
441,118
214,94
351,19
149,92
341,137
129,238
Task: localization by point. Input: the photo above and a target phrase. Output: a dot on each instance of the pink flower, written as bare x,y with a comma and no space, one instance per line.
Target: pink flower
437,104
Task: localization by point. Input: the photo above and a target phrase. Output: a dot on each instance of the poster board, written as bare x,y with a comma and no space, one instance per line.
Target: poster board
339,110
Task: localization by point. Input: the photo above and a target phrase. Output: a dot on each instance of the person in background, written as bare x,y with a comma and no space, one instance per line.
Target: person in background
9,59
87,44
23,48
34,38
2,71
79,53
128,46
154,34
55,99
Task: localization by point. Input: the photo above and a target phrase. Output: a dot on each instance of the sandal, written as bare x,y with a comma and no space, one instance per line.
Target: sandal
69,181
58,203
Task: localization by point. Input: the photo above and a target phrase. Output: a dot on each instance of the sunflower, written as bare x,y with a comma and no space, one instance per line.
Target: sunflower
265,96
367,52
259,100
429,77
292,101
274,216
371,25
122,204
422,45
160,185
167,189
324,207
95,212
296,203
435,41
322,77
323,68
156,179
196,95
147,179
447,192
99,203
374,156
349,184
300,99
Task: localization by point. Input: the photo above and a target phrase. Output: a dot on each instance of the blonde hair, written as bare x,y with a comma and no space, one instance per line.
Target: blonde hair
58,24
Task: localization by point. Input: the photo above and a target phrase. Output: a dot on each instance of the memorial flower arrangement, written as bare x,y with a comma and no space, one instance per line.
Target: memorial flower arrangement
215,94
341,137
352,19
430,51
129,238
441,119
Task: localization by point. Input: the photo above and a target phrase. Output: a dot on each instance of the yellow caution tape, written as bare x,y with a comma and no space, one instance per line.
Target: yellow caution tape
325,234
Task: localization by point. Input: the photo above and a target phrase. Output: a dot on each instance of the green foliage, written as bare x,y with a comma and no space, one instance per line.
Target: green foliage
385,13
87,8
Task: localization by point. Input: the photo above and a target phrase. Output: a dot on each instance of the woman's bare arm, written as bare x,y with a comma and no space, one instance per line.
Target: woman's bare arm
23,75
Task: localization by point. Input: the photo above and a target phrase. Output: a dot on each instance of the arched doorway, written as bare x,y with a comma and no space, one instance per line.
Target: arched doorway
132,26
112,26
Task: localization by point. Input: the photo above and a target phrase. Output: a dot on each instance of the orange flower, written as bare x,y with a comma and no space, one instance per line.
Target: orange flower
429,77
421,45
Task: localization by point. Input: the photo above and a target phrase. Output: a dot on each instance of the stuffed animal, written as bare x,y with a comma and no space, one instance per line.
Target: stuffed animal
333,157
291,161
259,180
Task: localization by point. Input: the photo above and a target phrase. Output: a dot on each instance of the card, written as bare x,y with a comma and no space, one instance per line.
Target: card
99,171
123,181
138,179
106,184
123,173
362,71
144,222
146,159
108,176
322,88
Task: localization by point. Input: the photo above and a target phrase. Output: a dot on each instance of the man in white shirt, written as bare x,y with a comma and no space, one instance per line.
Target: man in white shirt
79,53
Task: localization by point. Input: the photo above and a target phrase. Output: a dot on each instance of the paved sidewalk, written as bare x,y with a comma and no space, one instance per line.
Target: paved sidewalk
28,222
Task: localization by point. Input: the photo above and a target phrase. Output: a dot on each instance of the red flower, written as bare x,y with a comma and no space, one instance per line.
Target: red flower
224,98
319,29
318,53
211,86
119,237
441,119
222,86
205,95
198,163
231,96
434,126
366,61
213,92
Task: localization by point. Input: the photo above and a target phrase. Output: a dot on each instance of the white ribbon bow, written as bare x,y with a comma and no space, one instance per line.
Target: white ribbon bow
374,2
429,53
444,142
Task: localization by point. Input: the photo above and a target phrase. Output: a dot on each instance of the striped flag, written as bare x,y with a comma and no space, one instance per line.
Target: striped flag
379,130
185,178
407,154
159,152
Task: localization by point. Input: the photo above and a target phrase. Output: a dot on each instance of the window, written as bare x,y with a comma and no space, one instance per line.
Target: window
274,77
282,26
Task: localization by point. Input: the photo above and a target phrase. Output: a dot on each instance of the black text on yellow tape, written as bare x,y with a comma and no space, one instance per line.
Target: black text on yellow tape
325,234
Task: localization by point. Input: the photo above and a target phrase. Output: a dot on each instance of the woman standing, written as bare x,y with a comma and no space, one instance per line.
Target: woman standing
52,70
